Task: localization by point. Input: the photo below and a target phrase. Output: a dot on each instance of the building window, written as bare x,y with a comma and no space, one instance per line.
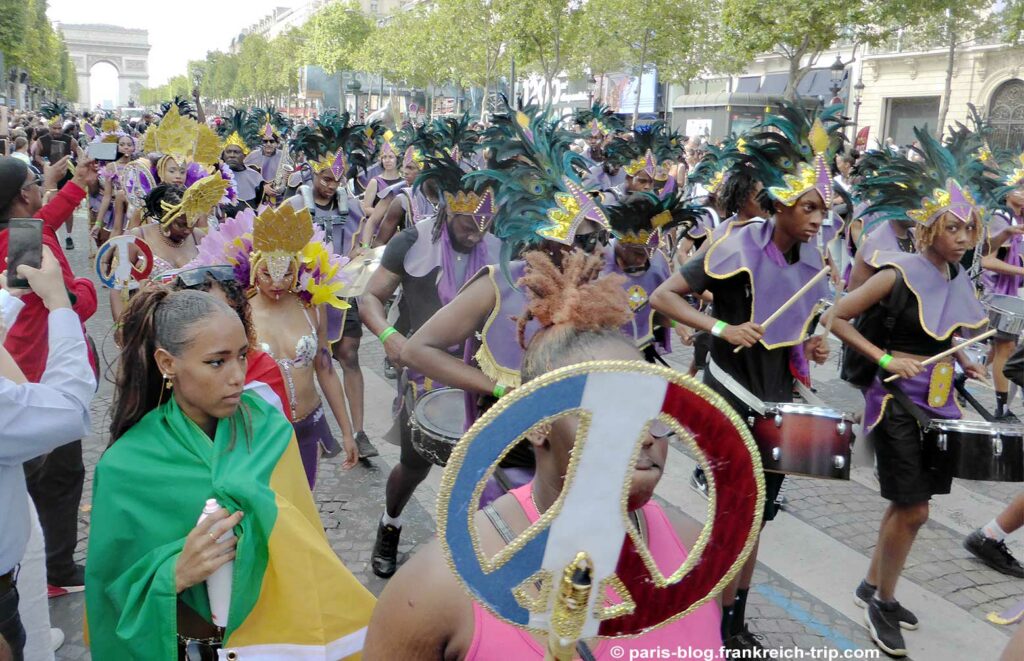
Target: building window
373,7
906,113
1006,115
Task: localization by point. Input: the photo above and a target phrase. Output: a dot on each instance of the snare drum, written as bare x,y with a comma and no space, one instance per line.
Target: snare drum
437,423
803,439
976,450
1006,313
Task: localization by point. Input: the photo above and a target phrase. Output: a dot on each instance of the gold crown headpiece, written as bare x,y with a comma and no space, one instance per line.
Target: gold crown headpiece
336,163
953,199
808,176
199,200
480,206
645,238
183,139
278,236
1016,177
646,164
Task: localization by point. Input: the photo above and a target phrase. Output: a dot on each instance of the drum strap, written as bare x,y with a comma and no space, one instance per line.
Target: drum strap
733,386
507,535
913,409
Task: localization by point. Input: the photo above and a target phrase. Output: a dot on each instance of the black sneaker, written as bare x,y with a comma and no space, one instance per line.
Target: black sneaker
384,560
863,594
744,640
366,449
885,628
390,372
993,553
69,243
699,482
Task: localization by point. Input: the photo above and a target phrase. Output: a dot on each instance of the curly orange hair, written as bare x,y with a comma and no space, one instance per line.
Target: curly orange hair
571,299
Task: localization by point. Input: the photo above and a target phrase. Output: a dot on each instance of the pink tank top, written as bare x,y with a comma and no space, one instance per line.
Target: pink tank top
495,640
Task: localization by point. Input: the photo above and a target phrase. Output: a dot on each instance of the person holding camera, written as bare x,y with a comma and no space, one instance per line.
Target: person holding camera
36,418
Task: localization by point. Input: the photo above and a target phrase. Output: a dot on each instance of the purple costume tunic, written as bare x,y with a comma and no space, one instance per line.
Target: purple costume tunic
748,247
638,288
1009,252
448,271
267,165
598,179
883,239
943,307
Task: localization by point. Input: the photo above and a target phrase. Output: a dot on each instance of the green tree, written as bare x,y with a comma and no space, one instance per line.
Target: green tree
801,30
13,25
543,35
335,36
221,71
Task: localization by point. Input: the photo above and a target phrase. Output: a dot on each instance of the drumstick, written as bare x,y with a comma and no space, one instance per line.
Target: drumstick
792,299
839,294
948,352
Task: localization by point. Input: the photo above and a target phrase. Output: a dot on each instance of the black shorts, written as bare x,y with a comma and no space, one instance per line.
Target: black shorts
772,486
353,326
905,473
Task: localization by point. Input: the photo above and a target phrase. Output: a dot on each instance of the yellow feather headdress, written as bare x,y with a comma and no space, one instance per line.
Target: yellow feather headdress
183,139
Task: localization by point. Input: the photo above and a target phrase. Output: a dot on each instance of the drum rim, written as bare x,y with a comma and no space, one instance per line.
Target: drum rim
1004,429
801,408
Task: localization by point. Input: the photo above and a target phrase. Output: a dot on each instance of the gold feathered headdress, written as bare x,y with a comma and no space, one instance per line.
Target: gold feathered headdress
183,139
198,201
278,236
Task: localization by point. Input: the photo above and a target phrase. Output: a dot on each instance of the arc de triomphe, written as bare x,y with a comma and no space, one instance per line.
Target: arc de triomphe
126,49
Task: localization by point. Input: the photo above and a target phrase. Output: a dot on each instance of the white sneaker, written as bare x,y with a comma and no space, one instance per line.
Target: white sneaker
56,638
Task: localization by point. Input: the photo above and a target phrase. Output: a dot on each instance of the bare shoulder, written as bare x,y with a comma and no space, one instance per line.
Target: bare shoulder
423,613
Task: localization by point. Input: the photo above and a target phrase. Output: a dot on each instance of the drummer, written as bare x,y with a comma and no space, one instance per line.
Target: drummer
948,225
430,261
424,613
1004,273
767,262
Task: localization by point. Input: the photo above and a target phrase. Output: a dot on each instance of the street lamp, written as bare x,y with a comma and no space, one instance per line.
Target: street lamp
836,72
858,90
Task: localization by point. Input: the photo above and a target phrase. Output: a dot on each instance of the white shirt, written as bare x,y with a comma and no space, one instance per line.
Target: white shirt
35,418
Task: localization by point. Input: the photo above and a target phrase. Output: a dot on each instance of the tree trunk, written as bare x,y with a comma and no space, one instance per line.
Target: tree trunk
944,106
341,92
795,76
640,77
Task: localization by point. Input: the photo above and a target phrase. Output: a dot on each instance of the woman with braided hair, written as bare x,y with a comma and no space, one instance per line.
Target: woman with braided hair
424,612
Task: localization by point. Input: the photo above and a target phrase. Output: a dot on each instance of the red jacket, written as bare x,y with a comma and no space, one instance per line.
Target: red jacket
27,340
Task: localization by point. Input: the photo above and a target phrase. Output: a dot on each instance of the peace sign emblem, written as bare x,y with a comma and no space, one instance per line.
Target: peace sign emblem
122,271
616,402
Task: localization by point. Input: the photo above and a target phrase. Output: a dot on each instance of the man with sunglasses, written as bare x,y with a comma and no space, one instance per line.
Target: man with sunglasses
248,180
56,484
271,161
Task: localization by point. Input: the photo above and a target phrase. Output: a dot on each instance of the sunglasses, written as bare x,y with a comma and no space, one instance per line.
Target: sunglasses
270,142
37,177
589,242
659,429
196,277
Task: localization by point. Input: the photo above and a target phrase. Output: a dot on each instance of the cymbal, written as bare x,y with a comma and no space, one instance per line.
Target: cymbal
359,270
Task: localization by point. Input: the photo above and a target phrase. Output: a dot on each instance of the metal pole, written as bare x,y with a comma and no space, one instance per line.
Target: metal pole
512,82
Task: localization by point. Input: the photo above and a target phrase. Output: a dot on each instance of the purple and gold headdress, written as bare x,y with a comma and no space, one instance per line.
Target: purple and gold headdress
460,196
793,152
537,177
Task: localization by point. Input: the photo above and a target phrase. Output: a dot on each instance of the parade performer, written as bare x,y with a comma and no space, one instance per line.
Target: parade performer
388,176
1004,270
646,158
425,611
270,159
750,270
637,223
172,236
284,261
332,153
541,205
240,132
431,262
936,193
402,205
111,181
598,124
183,432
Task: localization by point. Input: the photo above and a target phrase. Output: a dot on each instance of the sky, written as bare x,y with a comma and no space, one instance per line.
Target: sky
179,31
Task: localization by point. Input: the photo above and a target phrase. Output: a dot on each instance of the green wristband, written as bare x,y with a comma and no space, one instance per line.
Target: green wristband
386,333
884,361
717,329
673,322
499,391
